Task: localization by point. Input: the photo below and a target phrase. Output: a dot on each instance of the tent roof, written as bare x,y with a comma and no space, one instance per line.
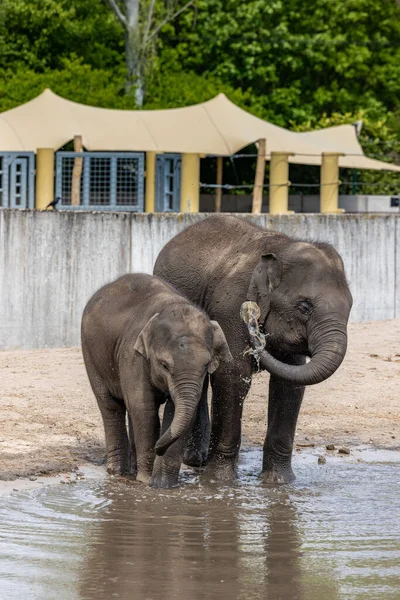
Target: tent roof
216,127
343,139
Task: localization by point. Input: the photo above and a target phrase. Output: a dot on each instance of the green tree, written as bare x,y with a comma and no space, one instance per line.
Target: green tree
142,20
41,36
74,80
300,65
301,59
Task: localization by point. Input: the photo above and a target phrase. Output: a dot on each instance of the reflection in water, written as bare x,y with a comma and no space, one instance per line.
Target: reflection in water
178,547
206,546
333,535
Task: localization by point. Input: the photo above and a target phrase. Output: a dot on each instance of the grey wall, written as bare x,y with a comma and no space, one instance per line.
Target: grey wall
243,203
52,262
304,203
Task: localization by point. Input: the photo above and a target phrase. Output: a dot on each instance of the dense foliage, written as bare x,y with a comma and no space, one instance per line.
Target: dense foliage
301,65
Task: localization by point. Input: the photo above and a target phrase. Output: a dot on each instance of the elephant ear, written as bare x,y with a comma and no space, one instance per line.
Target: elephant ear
266,276
142,342
220,351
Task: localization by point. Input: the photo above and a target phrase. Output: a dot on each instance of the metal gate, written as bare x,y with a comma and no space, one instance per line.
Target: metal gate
106,180
17,179
168,182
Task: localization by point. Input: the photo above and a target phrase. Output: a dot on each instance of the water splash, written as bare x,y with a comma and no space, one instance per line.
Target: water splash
250,313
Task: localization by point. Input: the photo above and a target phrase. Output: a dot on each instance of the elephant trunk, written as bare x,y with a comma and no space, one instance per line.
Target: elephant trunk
327,343
186,397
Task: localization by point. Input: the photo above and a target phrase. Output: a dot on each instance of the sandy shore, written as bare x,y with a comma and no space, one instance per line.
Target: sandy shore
50,423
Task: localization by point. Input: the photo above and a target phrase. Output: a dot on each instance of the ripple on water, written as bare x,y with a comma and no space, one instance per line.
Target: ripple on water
333,534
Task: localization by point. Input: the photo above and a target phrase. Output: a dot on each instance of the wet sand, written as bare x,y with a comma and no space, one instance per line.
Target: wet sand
50,423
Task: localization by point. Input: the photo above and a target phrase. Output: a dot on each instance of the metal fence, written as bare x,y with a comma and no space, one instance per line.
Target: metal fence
17,179
106,180
168,182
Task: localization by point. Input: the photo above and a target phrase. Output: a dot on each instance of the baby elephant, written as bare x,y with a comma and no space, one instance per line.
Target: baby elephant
144,344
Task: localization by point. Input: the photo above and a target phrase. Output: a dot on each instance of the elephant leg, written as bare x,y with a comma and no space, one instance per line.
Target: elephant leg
132,446
230,385
146,431
113,412
166,468
196,451
283,410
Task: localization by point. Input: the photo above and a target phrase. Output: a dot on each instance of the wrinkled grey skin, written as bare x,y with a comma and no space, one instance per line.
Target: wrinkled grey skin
143,345
305,303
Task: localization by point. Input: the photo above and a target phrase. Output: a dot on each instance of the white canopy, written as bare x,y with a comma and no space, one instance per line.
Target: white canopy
216,127
343,139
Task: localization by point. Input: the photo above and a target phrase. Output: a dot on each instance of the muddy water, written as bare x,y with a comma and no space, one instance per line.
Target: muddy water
334,534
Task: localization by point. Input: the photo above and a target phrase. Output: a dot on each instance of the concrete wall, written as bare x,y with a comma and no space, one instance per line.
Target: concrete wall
50,265
243,203
52,262
370,204
304,203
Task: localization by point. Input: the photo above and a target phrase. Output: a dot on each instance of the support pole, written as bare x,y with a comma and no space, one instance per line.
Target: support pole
150,201
330,183
279,183
44,177
77,172
218,194
259,178
190,196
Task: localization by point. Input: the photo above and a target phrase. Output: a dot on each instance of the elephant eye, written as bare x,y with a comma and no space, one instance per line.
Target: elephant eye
164,365
305,306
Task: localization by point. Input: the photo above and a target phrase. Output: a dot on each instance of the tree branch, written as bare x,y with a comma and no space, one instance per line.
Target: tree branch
149,18
171,18
117,11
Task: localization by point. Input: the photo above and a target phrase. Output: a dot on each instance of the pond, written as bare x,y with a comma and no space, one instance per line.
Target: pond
333,534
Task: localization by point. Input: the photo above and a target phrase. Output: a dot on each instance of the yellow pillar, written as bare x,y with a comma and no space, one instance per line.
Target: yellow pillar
258,188
190,179
330,183
44,177
150,201
279,183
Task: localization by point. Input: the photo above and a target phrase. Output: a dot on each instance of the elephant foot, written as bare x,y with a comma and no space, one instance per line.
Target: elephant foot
277,462
114,468
165,472
118,461
193,457
143,477
221,469
161,481
278,476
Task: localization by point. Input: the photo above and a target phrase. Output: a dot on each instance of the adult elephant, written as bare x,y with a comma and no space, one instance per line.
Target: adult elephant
305,303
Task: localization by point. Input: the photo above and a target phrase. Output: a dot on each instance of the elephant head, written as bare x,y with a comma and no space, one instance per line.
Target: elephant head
181,346
305,304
